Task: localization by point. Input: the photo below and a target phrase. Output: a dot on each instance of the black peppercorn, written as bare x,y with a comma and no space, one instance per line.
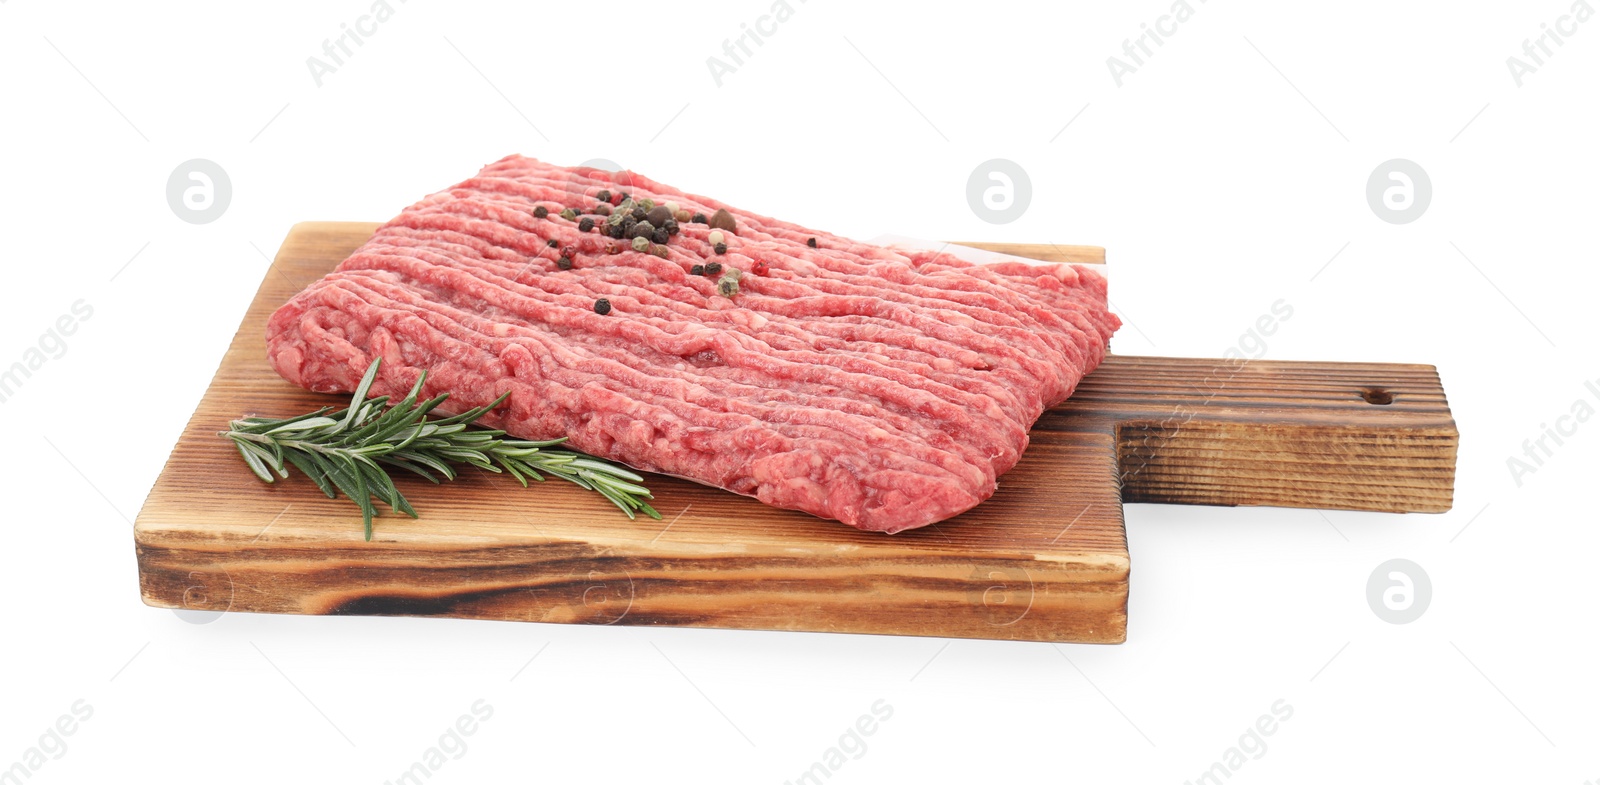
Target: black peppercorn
554,243
699,218
603,209
540,211
639,214
720,248
660,235
698,269
812,242
671,226
642,229
713,268
604,196
615,231
564,263
586,224
602,306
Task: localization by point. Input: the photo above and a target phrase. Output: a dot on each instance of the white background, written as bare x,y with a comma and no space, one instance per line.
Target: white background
1223,175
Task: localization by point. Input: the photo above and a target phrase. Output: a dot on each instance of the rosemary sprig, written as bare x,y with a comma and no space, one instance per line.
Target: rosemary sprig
345,451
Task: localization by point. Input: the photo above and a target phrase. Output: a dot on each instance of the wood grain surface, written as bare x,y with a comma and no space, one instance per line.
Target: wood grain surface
1044,559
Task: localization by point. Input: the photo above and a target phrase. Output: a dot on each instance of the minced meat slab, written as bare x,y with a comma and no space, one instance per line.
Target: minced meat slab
883,388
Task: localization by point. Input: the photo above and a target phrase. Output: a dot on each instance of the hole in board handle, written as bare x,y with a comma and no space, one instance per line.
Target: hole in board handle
1377,396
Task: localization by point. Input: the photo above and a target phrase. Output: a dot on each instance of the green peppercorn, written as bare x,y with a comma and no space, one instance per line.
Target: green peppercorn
604,195
540,211
647,203
586,224
569,214
641,244
713,268
564,263
728,287
602,306
698,269
720,248
812,242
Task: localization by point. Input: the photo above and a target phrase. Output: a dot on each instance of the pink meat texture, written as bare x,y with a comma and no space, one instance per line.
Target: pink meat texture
883,388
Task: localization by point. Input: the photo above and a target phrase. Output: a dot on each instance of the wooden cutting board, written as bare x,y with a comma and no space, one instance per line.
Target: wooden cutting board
1044,559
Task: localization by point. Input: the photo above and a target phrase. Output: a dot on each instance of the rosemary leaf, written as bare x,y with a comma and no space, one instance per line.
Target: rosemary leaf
346,451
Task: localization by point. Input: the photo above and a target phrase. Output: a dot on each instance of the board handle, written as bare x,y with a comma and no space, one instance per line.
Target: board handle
1349,436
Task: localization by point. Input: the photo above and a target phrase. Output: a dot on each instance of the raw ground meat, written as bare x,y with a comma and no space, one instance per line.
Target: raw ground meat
883,388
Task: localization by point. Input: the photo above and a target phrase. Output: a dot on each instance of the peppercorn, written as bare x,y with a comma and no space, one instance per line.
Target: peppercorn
641,244
659,215
553,243
681,216
728,287
540,211
569,250
812,242
628,223
698,269
564,263
569,214
659,235
602,306
626,197
604,195
586,224
639,214
613,248
614,231
641,229
647,203
715,237
603,208
699,218
720,248
713,268
671,226
722,219
659,250
760,267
